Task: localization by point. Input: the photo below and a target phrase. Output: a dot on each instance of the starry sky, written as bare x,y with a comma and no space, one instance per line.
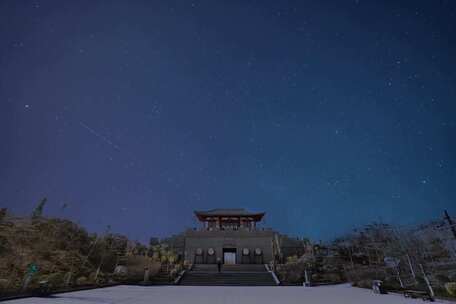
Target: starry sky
324,114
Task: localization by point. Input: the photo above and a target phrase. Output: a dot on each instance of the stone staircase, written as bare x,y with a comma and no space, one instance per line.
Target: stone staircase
204,268
231,275
244,268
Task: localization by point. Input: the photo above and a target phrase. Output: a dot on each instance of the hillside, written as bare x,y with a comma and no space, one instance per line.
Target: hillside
64,254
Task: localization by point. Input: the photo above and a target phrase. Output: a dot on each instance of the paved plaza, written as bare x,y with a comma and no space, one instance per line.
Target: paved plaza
340,294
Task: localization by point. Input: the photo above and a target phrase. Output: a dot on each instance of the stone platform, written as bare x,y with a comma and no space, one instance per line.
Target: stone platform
341,294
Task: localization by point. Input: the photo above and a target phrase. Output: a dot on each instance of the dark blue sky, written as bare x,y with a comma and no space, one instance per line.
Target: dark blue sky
324,114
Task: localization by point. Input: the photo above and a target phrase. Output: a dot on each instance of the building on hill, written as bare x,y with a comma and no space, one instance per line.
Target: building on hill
234,237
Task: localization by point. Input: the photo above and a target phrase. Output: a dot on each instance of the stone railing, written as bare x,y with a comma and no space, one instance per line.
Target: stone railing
276,279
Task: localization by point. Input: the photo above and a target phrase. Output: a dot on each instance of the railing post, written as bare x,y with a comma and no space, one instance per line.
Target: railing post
431,291
146,275
306,277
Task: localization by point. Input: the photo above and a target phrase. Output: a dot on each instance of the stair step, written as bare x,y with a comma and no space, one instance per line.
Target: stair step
228,278
233,268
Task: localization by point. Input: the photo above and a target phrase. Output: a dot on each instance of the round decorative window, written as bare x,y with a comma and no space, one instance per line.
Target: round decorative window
245,251
257,251
199,251
210,251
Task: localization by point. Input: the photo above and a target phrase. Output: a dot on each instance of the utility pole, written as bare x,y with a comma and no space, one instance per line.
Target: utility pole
450,222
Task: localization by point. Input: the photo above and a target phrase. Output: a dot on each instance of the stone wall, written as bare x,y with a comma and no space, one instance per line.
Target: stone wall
217,240
186,244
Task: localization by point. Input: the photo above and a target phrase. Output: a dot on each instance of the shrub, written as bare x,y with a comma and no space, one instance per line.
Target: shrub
291,272
442,278
364,284
451,288
55,279
3,284
331,277
3,244
292,259
391,284
82,281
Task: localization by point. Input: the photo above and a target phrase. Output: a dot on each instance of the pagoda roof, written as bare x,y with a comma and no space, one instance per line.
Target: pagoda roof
238,212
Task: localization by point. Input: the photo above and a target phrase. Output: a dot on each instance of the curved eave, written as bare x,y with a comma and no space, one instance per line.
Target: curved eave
202,216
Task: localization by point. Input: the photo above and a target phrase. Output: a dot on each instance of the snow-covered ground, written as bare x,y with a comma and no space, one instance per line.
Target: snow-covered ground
340,294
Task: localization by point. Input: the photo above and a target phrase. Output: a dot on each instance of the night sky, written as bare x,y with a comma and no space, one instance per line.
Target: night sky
324,114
